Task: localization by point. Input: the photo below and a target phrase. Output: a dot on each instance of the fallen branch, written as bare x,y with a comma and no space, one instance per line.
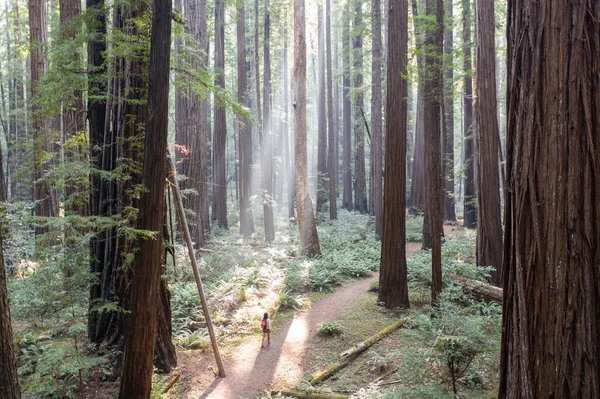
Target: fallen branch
171,383
349,355
391,382
479,289
206,250
310,395
381,377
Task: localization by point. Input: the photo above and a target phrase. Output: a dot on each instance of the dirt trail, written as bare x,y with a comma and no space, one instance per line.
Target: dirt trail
253,369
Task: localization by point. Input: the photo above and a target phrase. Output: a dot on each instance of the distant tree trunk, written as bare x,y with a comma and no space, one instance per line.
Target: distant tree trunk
46,199
347,111
489,228
376,118
360,180
334,177
257,68
136,378
322,188
288,150
433,189
393,284
309,239
551,268
470,208
219,196
448,130
332,163
244,129
267,137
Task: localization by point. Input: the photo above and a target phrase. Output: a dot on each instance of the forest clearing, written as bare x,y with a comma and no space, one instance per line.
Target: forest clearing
341,199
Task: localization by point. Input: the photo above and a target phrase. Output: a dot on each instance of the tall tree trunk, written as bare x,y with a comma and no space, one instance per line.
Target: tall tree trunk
309,239
393,284
417,189
267,137
244,128
136,378
448,130
470,208
360,180
347,111
332,163
322,188
334,175
257,68
489,228
219,197
433,189
551,272
289,150
376,118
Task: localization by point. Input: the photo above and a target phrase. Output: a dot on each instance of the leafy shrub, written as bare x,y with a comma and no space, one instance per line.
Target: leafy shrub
330,328
414,228
323,277
187,339
285,300
374,286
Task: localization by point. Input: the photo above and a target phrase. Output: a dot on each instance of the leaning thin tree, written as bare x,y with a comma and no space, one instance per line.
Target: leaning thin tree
393,288
551,277
136,377
309,239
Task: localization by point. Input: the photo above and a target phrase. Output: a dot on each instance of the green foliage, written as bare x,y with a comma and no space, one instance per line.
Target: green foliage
374,286
330,329
414,228
324,276
187,339
286,300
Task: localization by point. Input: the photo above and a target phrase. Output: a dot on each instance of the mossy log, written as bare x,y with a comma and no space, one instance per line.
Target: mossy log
310,395
481,290
351,353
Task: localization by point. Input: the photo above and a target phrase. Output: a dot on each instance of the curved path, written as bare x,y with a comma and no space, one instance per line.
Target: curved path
253,369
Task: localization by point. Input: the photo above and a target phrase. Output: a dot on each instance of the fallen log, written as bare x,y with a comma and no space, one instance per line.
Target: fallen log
349,355
381,377
171,383
479,289
310,395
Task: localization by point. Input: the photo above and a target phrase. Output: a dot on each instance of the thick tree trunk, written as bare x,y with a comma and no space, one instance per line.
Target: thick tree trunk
551,268
489,228
360,180
448,130
347,111
244,128
376,119
470,208
432,93
332,161
322,188
136,378
309,239
393,285
289,146
257,68
219,187
9,385
267,137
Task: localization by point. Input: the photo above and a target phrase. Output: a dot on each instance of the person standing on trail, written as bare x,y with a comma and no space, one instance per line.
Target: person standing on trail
265,326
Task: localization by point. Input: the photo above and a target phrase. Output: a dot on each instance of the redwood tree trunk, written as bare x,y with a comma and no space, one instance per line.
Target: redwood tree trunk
347,111
376,118
332,161
309,239
470,209
551,279
136,378
267,137
322,188
448,130
219,187
393,286
489,228
432,92
244,129
360,180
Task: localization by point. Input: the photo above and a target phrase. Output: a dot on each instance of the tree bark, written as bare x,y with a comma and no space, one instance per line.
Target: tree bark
393,284
347,112
9,384
219,196
322,188
244,129
136,378
551,267
432,94
267,136
332,162
360,180
489,228
376,119
470,208
289,146
448,129
309,239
